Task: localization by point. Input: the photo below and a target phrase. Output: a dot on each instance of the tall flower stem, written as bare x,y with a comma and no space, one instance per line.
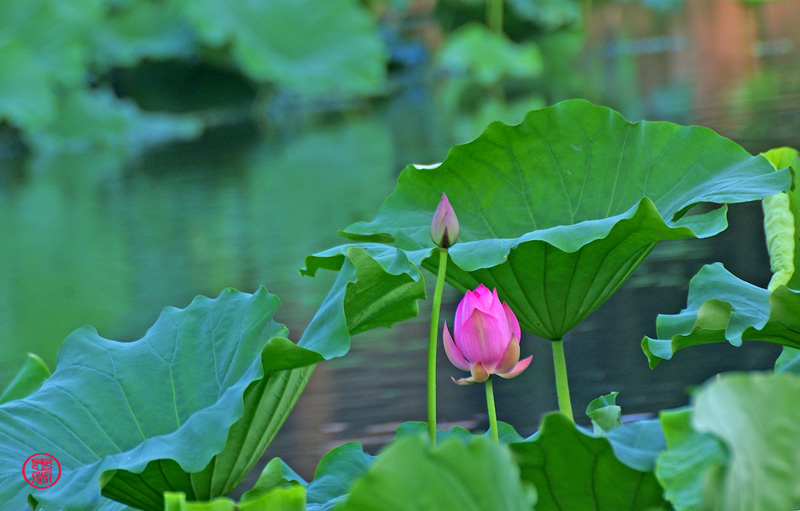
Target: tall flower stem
562,384
494,15
437,305
492,412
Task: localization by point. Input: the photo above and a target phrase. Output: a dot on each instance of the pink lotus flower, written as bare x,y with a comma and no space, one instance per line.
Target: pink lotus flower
444,226
486,338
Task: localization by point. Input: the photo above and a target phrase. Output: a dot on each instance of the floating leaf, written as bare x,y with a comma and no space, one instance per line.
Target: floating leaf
753,465
724,308
304,46
411,475
558,211
574,470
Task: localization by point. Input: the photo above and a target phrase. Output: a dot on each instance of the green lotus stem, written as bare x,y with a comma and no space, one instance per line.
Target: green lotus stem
437,304
494,15
492,411
562,384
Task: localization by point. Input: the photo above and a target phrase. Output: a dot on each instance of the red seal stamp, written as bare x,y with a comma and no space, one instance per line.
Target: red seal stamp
41,470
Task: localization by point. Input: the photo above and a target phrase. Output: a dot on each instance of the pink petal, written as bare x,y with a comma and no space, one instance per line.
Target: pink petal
484,338
510,358
464,311
513,324
444,226
452,351
521,366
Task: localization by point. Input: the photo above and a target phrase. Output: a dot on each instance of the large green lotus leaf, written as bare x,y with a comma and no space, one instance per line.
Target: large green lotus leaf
740,451
188,407
575,470
722,307
476,475
559,210
305,46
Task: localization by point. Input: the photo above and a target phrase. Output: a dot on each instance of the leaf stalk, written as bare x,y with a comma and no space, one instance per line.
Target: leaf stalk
492,411
432,344
562,383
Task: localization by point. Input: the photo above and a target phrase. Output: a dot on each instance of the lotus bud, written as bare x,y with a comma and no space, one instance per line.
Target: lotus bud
486,338
444,226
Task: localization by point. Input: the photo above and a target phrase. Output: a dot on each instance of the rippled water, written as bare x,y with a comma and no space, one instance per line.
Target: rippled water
90,240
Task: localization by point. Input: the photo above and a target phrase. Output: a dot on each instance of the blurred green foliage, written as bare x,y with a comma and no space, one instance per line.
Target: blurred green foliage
57,59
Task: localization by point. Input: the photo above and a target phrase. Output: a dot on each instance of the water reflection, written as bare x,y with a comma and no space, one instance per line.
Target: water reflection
88,239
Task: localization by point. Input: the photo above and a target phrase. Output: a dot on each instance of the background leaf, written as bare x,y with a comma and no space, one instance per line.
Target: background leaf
328,48
574,470
486,57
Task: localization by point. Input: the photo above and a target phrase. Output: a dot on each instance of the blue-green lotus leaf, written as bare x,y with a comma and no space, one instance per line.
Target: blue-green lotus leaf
572,469
192,405
195,400
559,210
724,308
